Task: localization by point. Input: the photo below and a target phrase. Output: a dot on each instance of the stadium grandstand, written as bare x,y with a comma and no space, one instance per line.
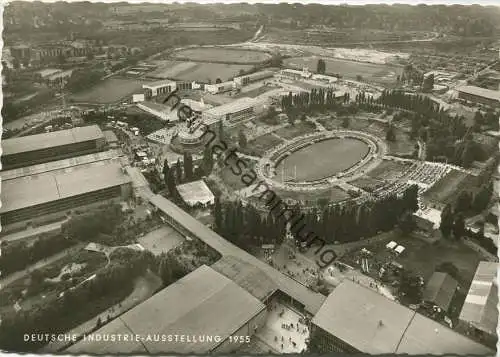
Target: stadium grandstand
51,193
204,309
358,319
41,148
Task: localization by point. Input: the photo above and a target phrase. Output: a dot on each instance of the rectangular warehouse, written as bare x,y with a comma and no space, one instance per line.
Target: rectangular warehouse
358,319
253,77
200,313
231,113
27,198
480,95
58,145
156,88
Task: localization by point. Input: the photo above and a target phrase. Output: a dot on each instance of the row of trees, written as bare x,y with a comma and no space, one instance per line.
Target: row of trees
245,226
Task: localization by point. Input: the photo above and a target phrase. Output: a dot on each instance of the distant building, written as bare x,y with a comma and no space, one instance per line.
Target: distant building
440,290
21,52
480,307
295,74
356,319
253,77
231,113
219,87
479,95
156,88
40,148
196,192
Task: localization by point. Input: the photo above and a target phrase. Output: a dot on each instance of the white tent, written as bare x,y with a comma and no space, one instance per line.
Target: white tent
399,249
391,245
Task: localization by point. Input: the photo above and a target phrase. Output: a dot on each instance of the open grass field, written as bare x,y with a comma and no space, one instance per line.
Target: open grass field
322,159
260,145
448,188
333,194
230,179
202,72
298,129
403,144
348,69
388,169
109,91
367,183
217,54
161,240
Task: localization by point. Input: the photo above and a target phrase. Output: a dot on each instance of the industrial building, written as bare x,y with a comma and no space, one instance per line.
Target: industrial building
480,307
253,77
231,113
43,196
358,319
479,95
219,87
295,74
204,309
156,88
40,148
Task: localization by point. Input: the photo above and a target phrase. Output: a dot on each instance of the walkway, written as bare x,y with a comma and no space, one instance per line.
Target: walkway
32,232
40,264
319,126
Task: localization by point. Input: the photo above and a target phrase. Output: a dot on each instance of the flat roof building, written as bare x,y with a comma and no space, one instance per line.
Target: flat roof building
203,309
28,198
231,113
358,319
219,87
57,145
196,192
156,88
480,306
252,77
480,95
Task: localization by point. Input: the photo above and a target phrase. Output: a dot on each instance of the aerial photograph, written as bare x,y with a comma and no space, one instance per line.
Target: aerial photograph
249,178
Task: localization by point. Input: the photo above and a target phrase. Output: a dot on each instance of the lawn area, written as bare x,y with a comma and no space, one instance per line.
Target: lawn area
109,91
217,54
322,159
403,144
256,92
333,194
447,189
388,169
232,180
260,145
367,183
349,69
205,72
161,240
298,129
